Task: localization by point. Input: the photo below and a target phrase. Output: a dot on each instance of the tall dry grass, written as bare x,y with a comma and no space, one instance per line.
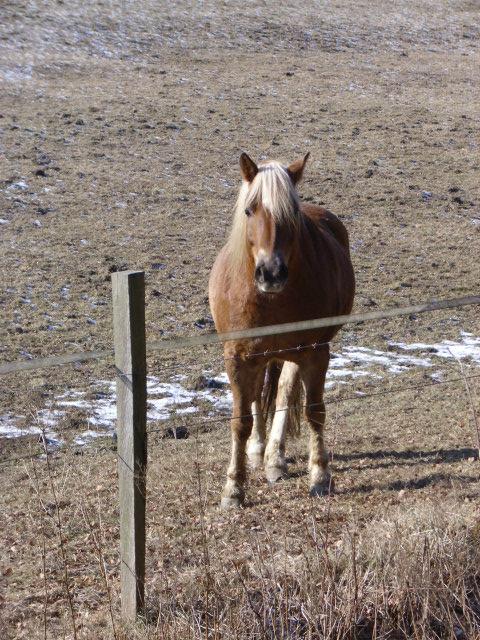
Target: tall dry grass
413,575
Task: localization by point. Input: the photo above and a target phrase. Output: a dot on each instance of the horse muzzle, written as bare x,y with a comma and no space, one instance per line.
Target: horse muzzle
271,277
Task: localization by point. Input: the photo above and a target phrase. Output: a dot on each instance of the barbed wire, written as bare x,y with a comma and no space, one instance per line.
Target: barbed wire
272,352
360,396
81,450
244,334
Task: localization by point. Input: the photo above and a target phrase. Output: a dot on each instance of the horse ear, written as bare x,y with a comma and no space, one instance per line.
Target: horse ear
295,170
248,167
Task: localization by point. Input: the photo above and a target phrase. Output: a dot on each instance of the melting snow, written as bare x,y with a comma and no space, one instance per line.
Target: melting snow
165,399
9,429
469,347
21,185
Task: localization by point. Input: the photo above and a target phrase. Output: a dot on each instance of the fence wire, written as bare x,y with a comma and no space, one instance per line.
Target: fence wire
82,450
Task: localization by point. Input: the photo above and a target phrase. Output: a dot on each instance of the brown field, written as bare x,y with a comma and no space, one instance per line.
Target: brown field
121,127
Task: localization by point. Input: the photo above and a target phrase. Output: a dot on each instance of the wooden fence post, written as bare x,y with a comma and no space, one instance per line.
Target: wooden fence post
128,290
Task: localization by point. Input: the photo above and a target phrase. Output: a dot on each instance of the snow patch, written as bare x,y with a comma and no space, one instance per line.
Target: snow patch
166,399
468,348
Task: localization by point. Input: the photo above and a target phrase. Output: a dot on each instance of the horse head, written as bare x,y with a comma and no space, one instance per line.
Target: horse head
272,217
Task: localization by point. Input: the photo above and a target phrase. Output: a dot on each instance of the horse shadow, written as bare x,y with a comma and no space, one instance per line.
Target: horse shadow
434,479
382,459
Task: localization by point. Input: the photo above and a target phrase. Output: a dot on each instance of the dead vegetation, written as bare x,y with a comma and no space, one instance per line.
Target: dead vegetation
393,554
412,575
122,124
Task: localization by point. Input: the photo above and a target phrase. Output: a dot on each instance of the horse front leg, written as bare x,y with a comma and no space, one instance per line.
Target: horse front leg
313,376
243,391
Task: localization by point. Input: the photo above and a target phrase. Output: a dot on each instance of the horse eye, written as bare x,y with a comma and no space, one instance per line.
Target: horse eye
248,212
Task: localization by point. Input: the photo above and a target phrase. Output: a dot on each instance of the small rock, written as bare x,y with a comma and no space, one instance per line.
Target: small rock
177,433
80,121
202,323
173,126
426,195
21,185
42,158
202,382
3,221
368,173
459,633
157,266
91,321
41,173
37,223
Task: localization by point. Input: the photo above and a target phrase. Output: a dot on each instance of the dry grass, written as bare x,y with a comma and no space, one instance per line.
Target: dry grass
126,121
414,574
377,560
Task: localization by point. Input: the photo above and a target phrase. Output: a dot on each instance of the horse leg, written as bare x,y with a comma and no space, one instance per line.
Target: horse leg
313,376
275,464
241,425
256,442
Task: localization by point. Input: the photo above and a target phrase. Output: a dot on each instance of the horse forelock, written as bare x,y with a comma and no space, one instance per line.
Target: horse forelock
271,188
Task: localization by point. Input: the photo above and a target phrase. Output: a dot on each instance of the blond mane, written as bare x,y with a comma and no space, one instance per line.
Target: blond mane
273,188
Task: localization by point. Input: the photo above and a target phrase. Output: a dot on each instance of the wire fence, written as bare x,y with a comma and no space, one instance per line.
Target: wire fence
191,420
206,417
208,339
271,330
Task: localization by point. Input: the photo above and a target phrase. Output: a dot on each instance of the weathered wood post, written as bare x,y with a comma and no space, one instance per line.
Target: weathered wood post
128,290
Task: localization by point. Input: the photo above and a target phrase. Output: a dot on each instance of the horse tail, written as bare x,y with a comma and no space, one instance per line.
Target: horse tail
269,396
295,410
270,388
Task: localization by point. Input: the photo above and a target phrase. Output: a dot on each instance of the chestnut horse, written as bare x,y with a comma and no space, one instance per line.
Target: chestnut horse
284,261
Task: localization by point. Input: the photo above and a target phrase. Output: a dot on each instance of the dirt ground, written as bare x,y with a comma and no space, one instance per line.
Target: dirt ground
121,128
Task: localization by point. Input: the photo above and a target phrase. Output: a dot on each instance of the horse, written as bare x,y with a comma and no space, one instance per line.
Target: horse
284,261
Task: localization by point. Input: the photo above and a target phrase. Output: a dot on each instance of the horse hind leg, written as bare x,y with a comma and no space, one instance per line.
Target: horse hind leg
256,442
266,385
275,463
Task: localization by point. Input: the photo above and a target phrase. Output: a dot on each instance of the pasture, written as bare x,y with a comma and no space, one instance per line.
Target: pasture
121,128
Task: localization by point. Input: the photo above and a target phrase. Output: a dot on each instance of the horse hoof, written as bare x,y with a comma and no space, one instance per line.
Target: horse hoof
231,503
321,489
274,474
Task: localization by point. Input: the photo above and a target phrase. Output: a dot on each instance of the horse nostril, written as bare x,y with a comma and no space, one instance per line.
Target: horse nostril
259,273
283,272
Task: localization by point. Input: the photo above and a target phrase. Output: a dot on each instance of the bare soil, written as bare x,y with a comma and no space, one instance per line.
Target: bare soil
121,128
